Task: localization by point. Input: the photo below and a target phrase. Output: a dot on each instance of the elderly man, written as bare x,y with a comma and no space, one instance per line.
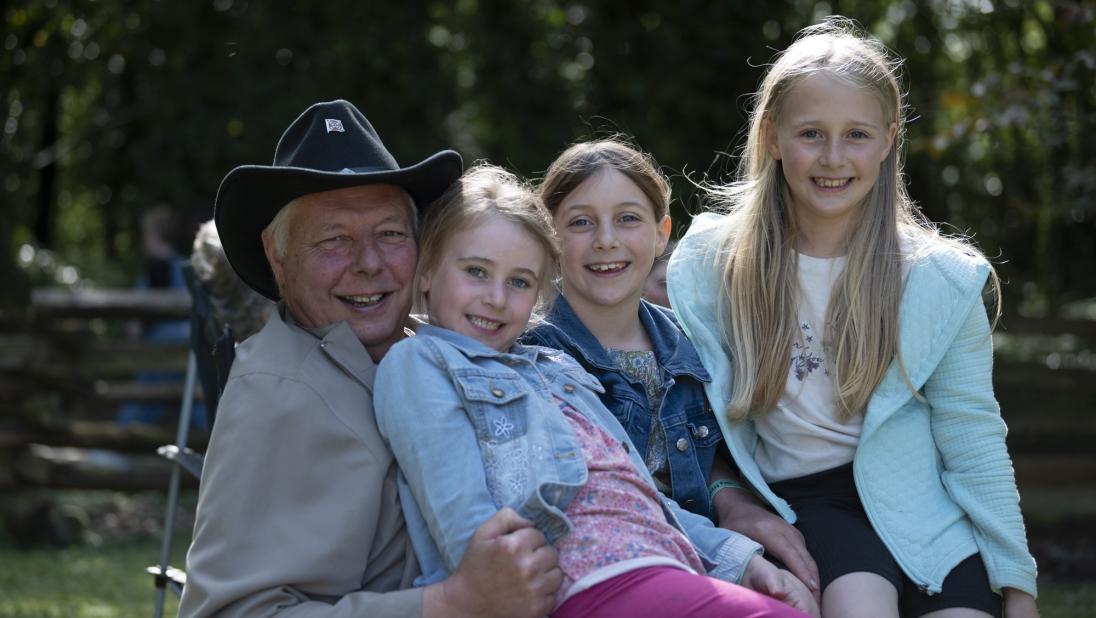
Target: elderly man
298,512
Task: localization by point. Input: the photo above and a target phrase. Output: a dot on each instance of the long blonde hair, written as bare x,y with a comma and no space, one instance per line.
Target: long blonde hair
759,296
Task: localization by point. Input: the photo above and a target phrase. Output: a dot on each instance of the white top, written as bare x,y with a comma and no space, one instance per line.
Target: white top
803,434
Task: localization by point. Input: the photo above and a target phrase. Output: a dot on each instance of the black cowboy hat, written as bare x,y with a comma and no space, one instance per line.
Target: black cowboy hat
330,146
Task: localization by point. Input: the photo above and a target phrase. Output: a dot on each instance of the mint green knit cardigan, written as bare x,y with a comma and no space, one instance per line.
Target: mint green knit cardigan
933,473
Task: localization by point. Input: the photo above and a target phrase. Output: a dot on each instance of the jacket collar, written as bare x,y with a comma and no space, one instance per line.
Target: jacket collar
940,291
476,349
341,345
674,352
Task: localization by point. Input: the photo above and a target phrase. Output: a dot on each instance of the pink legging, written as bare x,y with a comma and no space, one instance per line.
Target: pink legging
666,592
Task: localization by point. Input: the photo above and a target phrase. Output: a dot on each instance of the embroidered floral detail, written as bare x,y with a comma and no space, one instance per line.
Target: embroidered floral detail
503,428
804,360
506,467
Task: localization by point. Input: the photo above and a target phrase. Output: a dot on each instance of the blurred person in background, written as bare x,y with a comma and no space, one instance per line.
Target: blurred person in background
162,269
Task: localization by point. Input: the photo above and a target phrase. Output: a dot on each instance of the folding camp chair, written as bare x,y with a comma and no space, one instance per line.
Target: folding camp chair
212,349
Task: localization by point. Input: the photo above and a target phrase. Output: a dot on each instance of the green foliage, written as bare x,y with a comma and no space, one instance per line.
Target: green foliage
111,108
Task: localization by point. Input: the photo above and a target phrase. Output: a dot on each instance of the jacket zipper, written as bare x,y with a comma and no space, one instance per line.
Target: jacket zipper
917,579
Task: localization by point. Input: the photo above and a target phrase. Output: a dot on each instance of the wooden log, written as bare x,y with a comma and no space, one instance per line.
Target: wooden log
1017,325
164,304
16,349
1039,376
101,358
134,438
75,468
1056,470
118,391
1039,441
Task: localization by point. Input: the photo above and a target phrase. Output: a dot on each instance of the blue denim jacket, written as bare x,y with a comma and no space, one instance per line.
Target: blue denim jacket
475,430
693,435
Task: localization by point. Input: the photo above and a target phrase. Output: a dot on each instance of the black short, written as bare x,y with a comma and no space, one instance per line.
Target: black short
841,541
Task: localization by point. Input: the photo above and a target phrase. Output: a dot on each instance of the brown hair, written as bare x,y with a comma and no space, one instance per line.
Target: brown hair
584,159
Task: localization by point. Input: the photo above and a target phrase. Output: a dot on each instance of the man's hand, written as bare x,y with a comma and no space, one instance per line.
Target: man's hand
507,570
762,576
1019,604
738,510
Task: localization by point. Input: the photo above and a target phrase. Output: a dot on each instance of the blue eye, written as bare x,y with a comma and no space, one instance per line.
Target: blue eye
630,218
811,134
580,222
476,271
859,134
519,283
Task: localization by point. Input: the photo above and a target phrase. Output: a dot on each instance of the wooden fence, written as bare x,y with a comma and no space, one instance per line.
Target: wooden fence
66,367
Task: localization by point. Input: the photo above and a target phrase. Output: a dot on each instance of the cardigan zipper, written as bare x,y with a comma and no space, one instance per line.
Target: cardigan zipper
919,581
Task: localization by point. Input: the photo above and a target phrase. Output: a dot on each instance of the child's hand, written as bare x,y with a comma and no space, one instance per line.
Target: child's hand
739,511
762,576
508,570
1019,604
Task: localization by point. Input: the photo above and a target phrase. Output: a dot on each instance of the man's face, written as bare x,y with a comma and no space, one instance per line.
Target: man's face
350,255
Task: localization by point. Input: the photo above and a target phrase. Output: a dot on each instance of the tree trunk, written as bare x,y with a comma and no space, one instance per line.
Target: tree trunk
46,200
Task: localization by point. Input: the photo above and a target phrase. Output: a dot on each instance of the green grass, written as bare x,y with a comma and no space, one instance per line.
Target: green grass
83,581
110,582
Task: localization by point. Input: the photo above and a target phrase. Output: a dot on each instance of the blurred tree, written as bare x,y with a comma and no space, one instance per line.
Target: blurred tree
113,107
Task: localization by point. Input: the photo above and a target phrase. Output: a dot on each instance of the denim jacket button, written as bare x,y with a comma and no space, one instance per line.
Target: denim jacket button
497,392
702,431
682,444
568,388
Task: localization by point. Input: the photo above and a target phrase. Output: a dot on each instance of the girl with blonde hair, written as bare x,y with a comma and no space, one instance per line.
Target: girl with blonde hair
850,348
479,422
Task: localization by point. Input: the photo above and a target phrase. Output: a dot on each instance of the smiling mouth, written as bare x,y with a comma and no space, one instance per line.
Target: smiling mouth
479,322
608,267
363,301
831,183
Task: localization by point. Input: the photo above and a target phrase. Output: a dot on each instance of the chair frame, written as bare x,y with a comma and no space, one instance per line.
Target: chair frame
221,354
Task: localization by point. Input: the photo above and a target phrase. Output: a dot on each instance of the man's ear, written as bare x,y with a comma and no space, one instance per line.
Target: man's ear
664,228
768,136
276,263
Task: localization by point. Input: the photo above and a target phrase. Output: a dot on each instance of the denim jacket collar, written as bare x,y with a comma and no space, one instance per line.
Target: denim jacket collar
666,338
473,348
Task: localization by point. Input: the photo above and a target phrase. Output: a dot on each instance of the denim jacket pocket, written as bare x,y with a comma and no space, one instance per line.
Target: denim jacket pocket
495,404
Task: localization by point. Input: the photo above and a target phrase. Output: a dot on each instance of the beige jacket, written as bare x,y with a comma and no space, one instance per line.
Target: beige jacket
297,508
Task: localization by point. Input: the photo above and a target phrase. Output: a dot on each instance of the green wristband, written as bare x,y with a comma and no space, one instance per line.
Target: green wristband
714,488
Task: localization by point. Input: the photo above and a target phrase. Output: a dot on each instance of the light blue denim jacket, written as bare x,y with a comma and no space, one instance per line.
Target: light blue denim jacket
475,430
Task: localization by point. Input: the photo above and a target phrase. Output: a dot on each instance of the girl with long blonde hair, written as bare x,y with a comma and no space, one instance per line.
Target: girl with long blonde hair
850,348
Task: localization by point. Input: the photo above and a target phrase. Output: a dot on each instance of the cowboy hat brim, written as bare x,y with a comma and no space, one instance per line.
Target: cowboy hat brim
251,195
